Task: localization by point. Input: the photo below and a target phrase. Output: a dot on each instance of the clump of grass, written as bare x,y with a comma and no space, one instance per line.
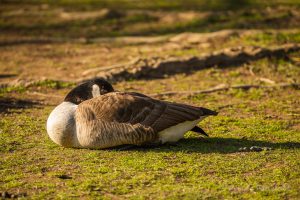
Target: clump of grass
264,39
253,94
8,89
52,84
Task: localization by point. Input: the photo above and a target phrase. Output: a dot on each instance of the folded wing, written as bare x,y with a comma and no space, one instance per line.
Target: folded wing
121,114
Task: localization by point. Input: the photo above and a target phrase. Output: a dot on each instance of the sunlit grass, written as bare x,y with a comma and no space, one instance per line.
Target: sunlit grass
193,168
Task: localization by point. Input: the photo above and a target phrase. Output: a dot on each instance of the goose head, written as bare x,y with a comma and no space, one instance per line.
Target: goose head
88,90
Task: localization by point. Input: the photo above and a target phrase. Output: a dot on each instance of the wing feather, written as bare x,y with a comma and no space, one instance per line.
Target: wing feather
134,108
129,118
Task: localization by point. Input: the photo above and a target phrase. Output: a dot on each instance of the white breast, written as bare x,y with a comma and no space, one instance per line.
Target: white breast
175,133
61,126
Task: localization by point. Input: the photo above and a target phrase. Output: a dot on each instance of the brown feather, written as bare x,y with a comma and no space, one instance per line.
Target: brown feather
130,118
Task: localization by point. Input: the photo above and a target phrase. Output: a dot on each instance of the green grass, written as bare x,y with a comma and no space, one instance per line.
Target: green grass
46,84
159,4
127,22
8,89
53,84
266,39
195,167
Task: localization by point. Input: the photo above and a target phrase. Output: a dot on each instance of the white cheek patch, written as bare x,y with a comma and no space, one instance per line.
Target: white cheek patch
96,90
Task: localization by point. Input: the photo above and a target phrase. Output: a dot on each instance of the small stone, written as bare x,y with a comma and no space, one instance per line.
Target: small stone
243,149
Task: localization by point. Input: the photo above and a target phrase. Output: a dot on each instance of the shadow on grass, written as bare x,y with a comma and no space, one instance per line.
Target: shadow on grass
6,75
22,42
6,104
190,66
212,145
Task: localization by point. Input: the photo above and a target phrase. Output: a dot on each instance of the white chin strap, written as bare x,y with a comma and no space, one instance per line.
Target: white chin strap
96,90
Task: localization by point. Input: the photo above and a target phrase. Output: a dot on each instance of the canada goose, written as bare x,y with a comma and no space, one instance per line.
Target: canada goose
94,116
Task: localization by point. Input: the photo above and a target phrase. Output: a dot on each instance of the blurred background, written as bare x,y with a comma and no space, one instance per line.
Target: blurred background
111,18
62,39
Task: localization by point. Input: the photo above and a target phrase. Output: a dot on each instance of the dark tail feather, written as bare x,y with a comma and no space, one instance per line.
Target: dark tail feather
208,112
197,129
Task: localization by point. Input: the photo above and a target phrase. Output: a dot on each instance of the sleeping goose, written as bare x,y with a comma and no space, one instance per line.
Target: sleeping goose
95,116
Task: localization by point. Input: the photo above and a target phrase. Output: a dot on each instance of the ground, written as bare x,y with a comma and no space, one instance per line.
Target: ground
47,48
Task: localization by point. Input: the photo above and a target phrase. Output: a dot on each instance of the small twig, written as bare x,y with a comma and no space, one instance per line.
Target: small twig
266,80
223,88
251,70
106,68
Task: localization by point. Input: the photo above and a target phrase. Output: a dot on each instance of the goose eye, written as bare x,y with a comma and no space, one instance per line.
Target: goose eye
103,90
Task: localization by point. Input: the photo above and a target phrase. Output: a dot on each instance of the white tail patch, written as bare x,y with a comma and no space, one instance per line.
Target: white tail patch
175,133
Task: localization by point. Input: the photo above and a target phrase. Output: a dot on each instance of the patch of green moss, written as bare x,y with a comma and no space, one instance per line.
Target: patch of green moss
53,84
4,90
264,39
166,171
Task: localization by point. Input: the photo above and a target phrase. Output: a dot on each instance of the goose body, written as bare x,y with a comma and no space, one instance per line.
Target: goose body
118,118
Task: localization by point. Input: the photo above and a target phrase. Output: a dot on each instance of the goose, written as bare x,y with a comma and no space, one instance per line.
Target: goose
95,116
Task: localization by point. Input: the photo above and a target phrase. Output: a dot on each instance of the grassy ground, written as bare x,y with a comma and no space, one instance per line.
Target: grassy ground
130,18
32,166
